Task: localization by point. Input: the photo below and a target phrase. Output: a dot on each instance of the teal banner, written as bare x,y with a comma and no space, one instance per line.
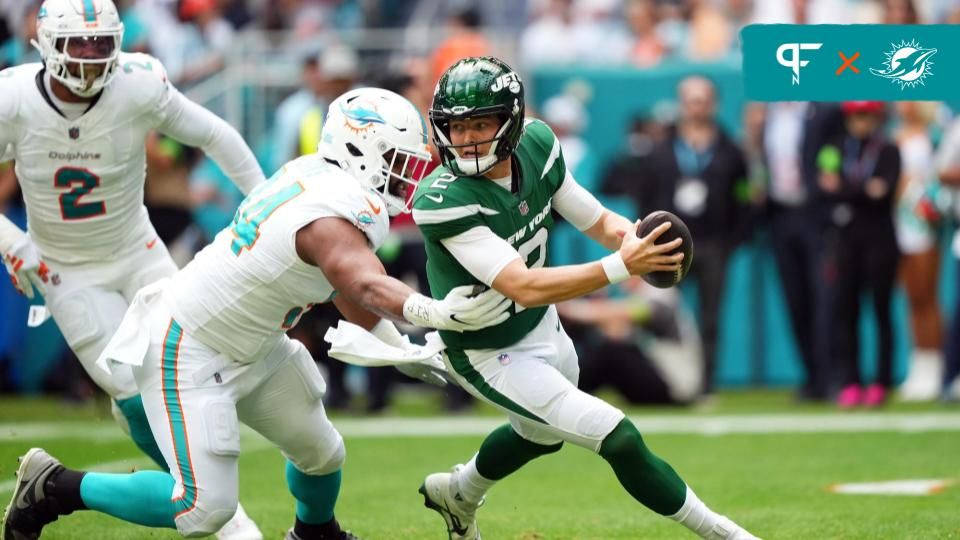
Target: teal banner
789,62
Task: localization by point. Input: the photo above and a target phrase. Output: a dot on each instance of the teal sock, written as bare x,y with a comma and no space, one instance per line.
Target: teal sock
649,479
142,497
132,409
316,495
503,452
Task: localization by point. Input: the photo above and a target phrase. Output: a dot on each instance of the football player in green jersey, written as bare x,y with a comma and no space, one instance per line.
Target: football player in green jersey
485,217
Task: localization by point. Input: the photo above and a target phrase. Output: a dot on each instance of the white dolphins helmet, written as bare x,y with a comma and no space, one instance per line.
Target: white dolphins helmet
380,138
88,28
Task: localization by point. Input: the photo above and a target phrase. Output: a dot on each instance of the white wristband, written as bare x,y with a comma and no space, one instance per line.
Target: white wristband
10,234
416,310
615,268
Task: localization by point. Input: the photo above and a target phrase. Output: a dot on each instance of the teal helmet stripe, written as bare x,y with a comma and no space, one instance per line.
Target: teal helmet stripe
89,11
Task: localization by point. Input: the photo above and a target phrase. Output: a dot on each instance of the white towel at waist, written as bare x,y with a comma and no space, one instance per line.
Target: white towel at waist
352,344
132,339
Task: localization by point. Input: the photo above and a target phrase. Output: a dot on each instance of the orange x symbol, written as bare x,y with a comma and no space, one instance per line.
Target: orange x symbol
848,62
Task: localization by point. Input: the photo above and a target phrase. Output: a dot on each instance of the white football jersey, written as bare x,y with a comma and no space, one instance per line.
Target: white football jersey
249,286
82,179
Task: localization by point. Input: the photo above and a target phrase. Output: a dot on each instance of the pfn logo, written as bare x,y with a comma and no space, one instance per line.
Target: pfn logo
794,62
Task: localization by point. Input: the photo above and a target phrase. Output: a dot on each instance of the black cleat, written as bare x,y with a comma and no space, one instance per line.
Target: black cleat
30,508
344,535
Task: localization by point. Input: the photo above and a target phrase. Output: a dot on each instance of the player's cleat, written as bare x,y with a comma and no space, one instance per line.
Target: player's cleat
344,535
30,508
240,527
875,395
726,529
461,516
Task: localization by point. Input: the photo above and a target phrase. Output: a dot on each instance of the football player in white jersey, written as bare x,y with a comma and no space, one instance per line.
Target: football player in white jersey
76,125
209,347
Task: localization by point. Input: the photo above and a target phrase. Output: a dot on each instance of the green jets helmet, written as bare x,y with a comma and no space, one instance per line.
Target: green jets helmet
477,86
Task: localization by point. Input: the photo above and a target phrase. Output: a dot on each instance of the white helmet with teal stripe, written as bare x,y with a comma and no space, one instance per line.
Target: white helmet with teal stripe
79,41
380,138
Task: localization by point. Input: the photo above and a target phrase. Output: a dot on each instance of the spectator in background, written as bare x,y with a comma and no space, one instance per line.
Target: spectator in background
918,226
548,39
645,346
647,48
464,39
711,34
859,172
567,116
299,117
628,173
697,173
793,133
207,38
948,168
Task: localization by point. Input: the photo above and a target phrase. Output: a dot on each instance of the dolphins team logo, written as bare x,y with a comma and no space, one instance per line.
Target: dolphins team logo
907,64
361,116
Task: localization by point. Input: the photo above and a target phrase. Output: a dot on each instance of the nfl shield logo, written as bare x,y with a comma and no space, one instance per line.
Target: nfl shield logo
74,133
524,208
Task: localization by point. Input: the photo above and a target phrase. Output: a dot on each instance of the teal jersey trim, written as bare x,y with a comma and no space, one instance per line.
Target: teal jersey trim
178,424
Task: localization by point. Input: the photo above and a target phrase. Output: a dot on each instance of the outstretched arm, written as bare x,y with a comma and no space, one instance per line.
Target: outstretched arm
194,125
341,252
495,262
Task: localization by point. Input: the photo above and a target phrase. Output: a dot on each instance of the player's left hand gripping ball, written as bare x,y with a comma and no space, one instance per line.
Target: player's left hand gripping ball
26,270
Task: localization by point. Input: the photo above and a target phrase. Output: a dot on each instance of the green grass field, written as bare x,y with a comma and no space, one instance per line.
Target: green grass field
757,458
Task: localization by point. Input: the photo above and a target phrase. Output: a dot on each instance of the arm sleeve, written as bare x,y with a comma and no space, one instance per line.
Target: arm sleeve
194,125
576,204
481,252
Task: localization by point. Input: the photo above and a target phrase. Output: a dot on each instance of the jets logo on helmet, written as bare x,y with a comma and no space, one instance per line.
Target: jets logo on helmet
381,140
79,41
473,87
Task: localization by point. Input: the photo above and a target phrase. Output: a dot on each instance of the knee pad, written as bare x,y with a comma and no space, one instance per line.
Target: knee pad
222,427
212,512
78,318
623,441
322,460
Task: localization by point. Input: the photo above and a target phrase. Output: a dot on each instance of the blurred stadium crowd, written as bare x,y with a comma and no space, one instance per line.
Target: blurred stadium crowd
850,201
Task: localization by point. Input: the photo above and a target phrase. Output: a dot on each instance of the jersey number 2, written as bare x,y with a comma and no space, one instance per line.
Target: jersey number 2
70,206
254,210
539,244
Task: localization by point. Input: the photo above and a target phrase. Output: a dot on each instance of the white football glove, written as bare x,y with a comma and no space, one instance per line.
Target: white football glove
22,260
461,310
432,370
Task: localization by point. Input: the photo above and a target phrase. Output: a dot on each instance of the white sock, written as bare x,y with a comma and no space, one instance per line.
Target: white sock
471,484
695,516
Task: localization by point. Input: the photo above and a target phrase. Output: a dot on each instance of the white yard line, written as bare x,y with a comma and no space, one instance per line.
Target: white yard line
450,426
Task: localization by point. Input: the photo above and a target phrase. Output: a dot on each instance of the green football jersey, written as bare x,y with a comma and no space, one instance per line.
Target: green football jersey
446,205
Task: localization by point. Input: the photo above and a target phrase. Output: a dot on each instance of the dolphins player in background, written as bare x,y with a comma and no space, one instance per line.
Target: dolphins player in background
209,346
76,125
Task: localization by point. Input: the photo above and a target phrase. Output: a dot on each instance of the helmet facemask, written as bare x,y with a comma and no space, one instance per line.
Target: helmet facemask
476,165
402,171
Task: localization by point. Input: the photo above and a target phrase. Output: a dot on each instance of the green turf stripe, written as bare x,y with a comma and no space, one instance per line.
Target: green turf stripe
178,425
461,364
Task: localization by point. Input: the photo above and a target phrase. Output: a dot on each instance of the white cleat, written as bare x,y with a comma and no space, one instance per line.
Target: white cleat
461,516
726,529
240,527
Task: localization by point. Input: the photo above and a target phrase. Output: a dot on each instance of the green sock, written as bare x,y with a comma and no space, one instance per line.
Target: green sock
649,479
504,452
